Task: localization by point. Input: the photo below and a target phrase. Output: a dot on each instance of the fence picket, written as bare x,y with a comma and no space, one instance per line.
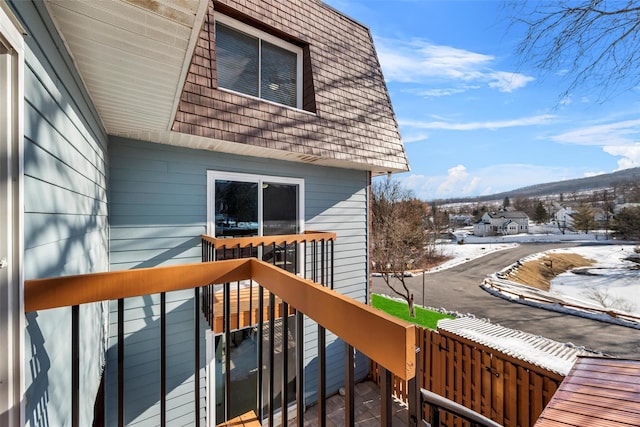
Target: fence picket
496,385
524,397
511,394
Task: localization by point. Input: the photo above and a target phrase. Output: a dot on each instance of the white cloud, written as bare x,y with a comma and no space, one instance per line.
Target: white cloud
435,93
630,155
461,182
625,132
508,82
456,178
618,139
419,61
496,124
414,137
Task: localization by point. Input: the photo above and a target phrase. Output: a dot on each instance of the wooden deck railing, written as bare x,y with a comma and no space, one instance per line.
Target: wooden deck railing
388,341
308,255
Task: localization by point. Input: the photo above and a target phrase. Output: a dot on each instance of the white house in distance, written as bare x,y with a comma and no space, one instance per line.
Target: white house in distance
563,216
502,223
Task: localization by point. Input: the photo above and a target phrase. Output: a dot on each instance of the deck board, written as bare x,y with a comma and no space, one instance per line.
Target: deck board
248,419
597,392
243,308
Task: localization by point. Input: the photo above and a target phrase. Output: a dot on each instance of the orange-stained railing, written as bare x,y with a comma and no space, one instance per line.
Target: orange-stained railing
387,340
279,239
308,255
241,305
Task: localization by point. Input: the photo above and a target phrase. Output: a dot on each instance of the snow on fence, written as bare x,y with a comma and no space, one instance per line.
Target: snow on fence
497,383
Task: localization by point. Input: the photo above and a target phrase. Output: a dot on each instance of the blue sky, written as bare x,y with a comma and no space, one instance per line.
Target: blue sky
476,121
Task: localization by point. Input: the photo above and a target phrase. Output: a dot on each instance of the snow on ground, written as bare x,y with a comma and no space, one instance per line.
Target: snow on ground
474,247
466,252
609,283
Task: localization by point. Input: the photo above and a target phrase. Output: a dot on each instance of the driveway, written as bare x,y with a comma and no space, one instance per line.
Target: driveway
458,289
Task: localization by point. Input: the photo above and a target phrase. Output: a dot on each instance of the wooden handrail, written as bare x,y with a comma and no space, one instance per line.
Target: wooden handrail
244,242
66,291
383,338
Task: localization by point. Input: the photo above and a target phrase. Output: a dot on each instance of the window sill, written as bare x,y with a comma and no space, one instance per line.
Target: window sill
256,98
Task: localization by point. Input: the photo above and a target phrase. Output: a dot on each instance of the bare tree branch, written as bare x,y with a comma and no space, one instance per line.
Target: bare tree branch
398,235
594,43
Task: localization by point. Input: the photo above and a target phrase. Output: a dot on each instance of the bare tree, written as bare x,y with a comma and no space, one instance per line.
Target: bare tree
595,43
398,235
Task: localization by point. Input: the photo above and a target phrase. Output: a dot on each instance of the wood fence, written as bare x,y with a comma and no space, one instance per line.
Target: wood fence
510,391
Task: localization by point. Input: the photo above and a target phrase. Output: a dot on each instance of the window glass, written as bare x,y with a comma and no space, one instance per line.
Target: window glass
237,58
257,64
278,76
255,207
236,208
280,209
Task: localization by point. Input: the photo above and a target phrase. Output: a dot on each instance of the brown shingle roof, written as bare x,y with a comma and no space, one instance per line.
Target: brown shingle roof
349,116
597,392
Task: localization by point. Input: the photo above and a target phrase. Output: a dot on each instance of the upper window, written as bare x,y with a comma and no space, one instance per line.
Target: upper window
257,64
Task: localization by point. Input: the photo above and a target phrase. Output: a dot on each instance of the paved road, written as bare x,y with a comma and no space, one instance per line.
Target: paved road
458,289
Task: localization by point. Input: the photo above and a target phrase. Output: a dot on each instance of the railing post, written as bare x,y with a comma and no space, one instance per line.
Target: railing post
260,343
434,417
323,279
300,368
413,391
227,349
121,362
285,363
196,367
386,407
332,263
163,359
75,365
322,376
349,379
270,394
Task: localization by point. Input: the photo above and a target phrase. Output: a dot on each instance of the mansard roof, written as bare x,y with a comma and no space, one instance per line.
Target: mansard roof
150,70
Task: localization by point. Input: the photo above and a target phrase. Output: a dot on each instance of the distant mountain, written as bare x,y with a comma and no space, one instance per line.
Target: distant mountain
566,187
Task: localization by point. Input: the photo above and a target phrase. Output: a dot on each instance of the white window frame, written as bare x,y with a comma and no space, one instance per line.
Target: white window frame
11,225
212,176
247,29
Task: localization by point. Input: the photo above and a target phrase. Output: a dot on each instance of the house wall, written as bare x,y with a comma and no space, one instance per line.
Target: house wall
158,210
65,218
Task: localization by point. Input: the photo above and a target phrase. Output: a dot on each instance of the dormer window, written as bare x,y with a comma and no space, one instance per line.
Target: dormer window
255,63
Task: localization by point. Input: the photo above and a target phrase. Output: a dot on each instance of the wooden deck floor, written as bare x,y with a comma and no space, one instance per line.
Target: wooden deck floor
244,308
250,419
598,392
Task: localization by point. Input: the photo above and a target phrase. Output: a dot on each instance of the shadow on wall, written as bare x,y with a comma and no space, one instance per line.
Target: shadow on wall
142,369
39,364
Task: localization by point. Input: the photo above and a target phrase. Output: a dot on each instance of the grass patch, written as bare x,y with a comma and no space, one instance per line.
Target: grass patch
425,318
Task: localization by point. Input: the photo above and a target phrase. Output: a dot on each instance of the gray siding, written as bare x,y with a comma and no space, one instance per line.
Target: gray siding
158,196
65,219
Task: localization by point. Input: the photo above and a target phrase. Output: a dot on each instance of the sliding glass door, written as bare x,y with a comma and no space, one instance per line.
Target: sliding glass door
242,205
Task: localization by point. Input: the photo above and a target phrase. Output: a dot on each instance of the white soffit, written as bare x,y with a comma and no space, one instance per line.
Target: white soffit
133,55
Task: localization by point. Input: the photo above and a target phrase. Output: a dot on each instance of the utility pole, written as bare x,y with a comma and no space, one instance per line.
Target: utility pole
423,273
